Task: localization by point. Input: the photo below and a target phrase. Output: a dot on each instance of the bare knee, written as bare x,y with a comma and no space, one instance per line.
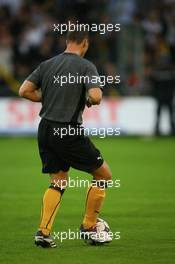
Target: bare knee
103,173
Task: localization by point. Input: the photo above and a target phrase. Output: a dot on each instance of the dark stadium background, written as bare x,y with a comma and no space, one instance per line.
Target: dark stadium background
143,158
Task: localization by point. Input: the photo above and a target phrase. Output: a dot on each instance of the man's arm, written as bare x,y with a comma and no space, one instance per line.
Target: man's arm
94,97
93,85
30,91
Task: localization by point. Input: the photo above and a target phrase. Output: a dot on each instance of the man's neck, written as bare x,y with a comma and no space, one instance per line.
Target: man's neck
73,49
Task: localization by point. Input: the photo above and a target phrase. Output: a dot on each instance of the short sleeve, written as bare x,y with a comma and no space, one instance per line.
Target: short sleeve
35,77
92,78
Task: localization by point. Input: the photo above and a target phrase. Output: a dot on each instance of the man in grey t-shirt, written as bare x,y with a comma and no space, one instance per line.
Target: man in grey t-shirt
64,85
64,81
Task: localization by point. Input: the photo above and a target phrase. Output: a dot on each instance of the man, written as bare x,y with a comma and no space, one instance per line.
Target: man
163,81
62,107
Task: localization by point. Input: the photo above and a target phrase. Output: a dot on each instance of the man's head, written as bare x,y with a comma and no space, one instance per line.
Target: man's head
78,40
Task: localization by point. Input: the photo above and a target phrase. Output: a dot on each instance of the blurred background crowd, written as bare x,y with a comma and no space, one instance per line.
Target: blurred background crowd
142,53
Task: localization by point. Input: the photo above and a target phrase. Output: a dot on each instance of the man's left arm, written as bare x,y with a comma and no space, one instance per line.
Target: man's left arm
30,91
93,89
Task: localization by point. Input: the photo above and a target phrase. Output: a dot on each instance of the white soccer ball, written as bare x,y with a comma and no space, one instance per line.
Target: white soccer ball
103,232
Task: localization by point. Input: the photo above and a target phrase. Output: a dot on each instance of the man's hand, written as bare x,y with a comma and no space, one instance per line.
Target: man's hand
94,97
30,91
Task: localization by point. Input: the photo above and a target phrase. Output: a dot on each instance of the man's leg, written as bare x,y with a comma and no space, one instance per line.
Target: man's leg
51,201
96,195
171,114
158,113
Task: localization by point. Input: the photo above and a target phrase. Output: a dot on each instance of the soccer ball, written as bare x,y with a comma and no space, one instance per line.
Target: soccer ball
103,233
102,225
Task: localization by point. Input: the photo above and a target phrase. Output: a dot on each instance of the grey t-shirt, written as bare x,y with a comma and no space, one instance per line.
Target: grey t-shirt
64,81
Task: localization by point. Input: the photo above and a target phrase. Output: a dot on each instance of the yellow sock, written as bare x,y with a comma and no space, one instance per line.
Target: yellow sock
51,203
94,202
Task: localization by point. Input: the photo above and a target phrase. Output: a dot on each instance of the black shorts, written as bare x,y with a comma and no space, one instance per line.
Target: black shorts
60,152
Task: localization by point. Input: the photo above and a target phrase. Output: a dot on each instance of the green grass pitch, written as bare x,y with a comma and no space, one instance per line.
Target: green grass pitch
142,209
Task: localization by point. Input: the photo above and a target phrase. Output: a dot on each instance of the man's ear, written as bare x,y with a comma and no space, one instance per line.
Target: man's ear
84,43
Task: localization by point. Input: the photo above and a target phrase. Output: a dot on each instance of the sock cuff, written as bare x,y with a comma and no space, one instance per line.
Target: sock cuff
61,190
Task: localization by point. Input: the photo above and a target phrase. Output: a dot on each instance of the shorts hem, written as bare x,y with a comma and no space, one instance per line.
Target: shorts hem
47,171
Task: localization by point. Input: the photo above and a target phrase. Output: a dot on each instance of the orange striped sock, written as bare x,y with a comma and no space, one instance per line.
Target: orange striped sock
94,202
51,203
